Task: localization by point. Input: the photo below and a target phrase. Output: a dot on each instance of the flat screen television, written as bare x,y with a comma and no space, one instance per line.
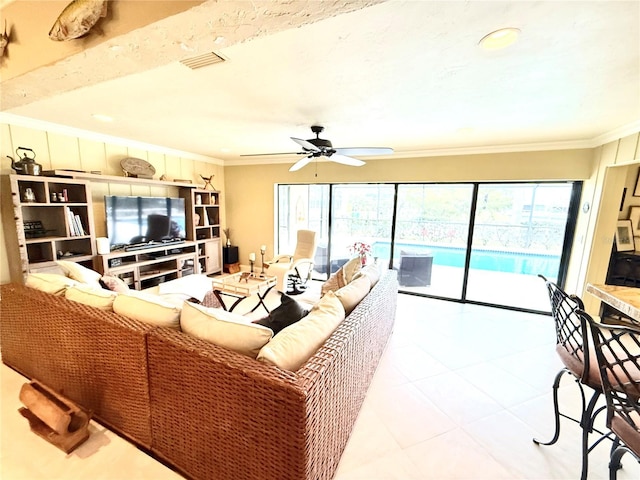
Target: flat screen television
132,220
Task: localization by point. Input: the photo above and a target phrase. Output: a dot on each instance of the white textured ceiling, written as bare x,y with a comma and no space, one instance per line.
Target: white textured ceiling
402,74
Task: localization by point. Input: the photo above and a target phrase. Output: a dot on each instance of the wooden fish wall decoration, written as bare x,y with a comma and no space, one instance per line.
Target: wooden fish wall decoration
77,19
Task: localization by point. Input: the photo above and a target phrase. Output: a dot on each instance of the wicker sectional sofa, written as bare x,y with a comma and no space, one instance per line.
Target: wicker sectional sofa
209,412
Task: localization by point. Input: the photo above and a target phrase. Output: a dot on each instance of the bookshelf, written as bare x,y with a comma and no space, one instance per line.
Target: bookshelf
46,219
203,226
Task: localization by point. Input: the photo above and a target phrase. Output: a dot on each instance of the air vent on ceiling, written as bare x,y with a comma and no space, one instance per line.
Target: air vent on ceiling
203,60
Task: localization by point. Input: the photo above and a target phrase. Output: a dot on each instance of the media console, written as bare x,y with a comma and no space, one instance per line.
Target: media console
150,265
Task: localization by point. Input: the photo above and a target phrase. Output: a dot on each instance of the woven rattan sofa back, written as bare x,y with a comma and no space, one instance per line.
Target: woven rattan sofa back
95,358
219,414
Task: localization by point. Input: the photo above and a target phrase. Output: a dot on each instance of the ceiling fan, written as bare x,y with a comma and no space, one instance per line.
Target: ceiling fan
319,147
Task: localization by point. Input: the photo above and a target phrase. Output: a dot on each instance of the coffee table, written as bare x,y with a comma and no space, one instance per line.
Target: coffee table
235,286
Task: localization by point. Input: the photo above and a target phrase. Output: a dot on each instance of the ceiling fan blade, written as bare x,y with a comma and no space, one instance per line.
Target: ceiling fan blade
343,159
305,144
365,151
301,163
264,154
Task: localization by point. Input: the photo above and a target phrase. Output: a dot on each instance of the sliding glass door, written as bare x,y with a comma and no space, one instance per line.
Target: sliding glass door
361,213
518,233
304,207
430,247
483,243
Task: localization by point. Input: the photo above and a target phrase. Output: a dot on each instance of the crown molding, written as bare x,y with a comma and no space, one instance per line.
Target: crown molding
618,133
441,152
26,122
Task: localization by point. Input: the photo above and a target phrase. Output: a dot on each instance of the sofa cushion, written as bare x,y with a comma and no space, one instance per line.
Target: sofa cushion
92,296
50,282
294,345
350,268
372,271
189,286
79,272
147,308
113,283
224,328
287,313
351,295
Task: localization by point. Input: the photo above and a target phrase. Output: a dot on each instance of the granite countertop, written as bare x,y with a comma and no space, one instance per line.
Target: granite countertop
624,299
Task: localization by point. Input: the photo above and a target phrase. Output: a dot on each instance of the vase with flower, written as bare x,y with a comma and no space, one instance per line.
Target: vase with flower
363,250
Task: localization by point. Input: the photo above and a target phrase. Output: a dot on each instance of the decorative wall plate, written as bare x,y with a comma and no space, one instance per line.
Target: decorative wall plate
137,167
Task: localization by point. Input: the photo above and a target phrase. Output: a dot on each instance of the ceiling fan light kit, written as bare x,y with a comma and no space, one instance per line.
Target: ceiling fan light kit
320,147
500,38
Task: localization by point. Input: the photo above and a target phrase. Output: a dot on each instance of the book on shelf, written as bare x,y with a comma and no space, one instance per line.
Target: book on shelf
71,222
76,228
80,226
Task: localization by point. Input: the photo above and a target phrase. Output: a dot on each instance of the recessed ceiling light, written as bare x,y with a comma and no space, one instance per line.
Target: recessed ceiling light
102,118
499,39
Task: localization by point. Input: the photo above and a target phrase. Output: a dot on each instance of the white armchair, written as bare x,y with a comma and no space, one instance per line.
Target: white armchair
297,268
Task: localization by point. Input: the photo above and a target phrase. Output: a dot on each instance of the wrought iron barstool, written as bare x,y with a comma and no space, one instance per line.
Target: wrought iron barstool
573,349
617,350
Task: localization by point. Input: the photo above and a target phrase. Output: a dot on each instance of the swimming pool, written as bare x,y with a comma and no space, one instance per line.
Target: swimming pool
494,260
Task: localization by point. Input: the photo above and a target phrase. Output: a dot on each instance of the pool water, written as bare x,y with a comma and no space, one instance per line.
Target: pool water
494,260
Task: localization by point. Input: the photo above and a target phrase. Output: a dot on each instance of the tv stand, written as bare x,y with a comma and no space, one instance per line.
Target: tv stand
154,263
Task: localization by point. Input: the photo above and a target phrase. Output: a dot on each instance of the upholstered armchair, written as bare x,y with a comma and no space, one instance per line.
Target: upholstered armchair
295,270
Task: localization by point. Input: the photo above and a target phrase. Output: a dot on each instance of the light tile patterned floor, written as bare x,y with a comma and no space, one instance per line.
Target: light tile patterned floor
459,394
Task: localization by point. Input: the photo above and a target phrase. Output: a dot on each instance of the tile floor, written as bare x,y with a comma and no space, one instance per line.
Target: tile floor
459,394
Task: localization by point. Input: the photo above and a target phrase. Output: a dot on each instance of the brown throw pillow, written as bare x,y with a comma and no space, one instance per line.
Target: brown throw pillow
210,300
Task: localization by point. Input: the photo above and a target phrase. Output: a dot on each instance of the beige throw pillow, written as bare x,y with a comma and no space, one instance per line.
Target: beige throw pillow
351,295
333,283
79,273
350,268
294,345
49,282
147,308
92,296
224,328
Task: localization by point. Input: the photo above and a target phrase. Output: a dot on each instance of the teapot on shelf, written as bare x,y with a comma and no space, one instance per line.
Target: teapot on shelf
26,165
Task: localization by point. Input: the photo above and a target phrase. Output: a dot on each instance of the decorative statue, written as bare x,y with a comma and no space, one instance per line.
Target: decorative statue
208,182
